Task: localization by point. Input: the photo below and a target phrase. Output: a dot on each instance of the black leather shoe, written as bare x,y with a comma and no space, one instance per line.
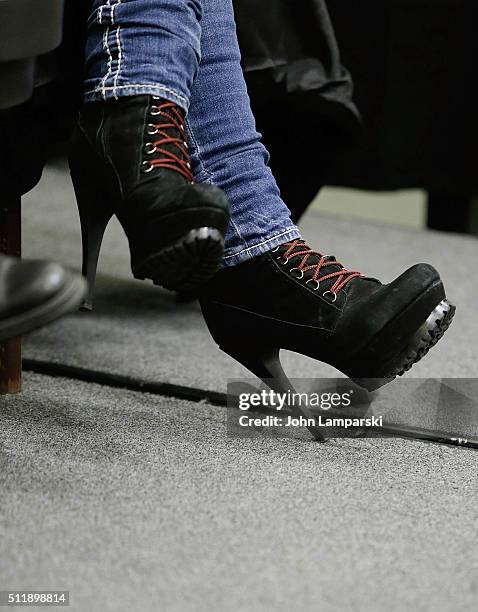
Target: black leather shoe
129,158
297,299
34,293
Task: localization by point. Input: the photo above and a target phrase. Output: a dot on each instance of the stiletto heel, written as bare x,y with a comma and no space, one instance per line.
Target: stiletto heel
94,218
264,362
262,359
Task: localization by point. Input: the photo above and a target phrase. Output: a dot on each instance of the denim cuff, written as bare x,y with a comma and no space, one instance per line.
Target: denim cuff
101,94
232,258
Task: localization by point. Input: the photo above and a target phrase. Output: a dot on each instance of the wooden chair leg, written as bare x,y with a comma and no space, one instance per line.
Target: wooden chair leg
10,244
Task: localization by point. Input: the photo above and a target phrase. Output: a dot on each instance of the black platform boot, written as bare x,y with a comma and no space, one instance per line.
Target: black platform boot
129,158
297,299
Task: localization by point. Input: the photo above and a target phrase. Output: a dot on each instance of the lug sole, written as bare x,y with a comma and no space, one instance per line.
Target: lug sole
186,264
422,341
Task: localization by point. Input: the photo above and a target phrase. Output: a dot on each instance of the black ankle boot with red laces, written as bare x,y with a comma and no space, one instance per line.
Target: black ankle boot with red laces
129,158
297,299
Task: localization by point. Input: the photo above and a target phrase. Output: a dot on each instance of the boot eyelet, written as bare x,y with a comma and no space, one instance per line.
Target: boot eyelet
154,110
331,293
152,129
146,167
149,148
283,260
297,270
313,280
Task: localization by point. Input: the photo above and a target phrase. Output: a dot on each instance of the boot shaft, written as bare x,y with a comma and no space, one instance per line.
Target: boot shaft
117,136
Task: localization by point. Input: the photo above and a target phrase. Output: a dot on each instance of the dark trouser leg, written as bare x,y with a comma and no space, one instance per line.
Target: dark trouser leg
449,212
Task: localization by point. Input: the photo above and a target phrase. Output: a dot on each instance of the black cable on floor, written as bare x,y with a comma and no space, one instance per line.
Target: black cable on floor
215,398
124,382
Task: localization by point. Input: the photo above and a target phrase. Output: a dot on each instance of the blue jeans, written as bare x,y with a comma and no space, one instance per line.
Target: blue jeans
187,52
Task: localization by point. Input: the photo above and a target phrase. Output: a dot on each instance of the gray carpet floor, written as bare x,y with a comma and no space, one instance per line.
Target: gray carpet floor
139,502
134,502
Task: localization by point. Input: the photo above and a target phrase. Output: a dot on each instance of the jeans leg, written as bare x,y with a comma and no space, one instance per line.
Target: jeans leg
143,47
226,149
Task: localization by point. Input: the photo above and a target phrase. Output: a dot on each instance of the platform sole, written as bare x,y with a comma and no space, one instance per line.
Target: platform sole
422,341
186,264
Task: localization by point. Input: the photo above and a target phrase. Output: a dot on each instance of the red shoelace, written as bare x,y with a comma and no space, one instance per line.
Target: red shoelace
342,276
172,120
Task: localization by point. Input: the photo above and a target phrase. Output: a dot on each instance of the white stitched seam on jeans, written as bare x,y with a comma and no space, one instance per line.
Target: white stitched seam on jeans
120,53
118,69
106,47
255,246
140,85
